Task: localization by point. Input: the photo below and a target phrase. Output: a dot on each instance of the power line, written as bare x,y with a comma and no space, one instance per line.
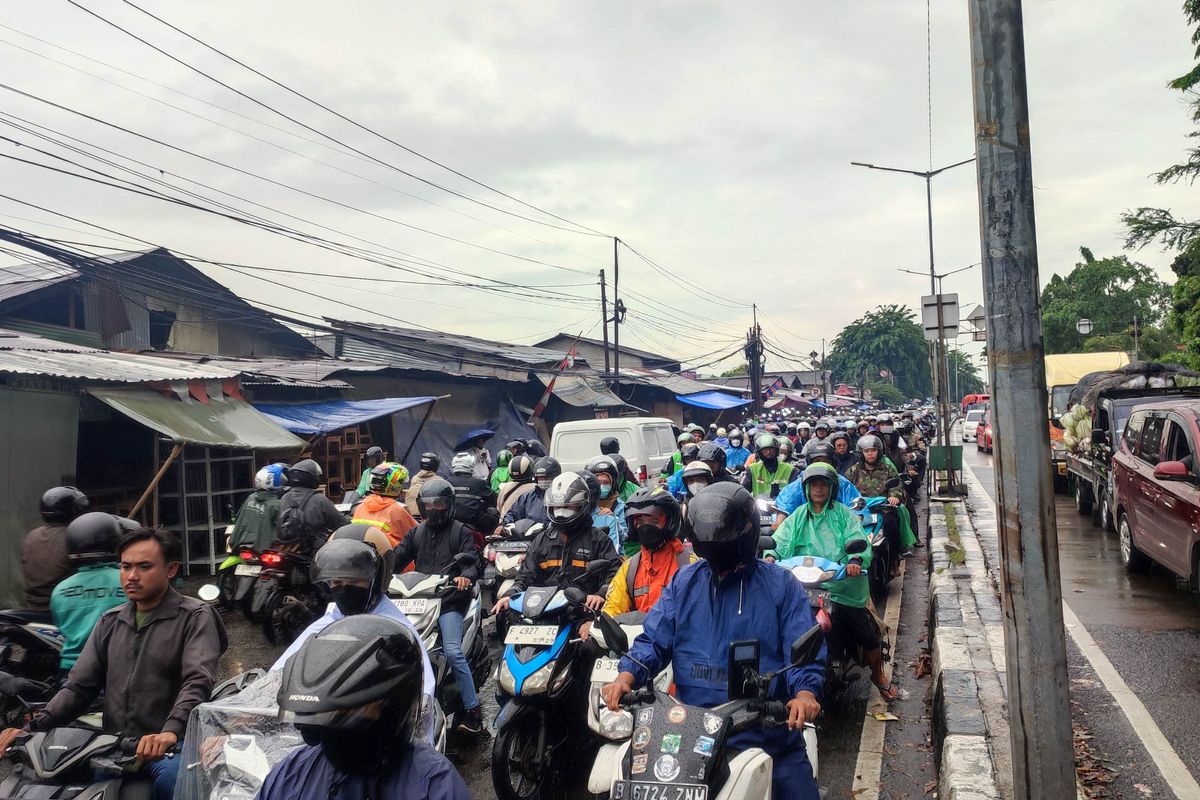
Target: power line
682,282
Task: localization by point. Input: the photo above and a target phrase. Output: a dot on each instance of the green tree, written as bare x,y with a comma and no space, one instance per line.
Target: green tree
735,372
1108,291
887,339
962,375
886,393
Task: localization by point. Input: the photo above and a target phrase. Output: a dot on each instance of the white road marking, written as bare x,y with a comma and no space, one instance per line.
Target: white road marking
1174,773
869,766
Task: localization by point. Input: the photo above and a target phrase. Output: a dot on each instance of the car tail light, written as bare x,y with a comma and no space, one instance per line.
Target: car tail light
246,554
642,474
272,559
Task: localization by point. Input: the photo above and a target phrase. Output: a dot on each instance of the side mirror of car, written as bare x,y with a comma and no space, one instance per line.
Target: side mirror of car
856,546
1171,471
1099,436
807,647
614,634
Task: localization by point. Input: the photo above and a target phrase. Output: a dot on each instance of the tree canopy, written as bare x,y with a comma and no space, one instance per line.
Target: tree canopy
888,340
962,375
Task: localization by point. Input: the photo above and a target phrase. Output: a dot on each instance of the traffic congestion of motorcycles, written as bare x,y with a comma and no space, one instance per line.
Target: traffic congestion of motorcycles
669,629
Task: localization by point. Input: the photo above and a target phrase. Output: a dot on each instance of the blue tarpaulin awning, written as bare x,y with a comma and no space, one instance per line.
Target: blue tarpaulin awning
714,400
331,415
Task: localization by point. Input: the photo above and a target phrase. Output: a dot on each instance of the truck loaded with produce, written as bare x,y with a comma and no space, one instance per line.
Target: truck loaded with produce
1097,410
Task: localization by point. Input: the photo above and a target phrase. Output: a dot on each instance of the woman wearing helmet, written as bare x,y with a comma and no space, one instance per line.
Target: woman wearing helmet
382,507
95,587
520,474
256,521
306,516
560,554
696,476
609,512
675,482
433,548
732,595
823,527
44,551
354,692
429,465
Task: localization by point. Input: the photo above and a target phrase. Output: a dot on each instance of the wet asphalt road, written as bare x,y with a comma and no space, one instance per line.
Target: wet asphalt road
1148,625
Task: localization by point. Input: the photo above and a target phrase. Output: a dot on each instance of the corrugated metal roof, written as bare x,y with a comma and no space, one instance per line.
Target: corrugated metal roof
22,279
22,354
668,380
582,391
314,372
438,345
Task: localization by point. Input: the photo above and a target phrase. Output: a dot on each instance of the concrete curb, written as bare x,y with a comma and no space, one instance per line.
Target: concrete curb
964,672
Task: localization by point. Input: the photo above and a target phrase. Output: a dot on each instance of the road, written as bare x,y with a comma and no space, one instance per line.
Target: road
1148,627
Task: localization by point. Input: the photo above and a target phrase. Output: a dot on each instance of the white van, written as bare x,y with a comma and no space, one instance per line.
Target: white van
646,442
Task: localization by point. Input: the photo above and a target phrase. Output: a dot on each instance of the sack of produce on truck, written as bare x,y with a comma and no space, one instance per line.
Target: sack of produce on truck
1138,375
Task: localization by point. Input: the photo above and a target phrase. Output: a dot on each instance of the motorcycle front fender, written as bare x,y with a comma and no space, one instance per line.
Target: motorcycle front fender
264,590
512,711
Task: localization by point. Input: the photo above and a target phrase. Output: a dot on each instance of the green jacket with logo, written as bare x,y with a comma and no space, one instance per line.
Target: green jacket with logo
79,600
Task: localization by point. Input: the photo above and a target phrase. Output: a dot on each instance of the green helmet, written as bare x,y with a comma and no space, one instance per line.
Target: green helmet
820,471
764,441
503,457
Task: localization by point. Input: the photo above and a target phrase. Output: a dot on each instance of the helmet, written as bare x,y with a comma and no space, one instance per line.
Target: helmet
683,438
819,451
804,426
520,469
430,462
710,451
271,478
374,455
822,472
63,504
840,436
720,431
642,501
388,479
696,471
546,469
689,451
712,426
568,500
369,534
593,484
693,428
823,422
503,458
734,431
765,441
622,467
735,438
515,447
344,559
609,445
772,427
604,465
93,537
462,464
306,473
869,442
355,689
906,414
885,418
785,444
725,523
435,501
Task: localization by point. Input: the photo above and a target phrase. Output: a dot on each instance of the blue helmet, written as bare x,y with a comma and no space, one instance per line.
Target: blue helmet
272,477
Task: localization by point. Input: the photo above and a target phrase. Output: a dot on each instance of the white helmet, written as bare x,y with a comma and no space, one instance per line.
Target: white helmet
804,426
463,464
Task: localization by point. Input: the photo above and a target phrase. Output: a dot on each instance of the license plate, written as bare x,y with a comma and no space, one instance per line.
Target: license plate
1062,469
542,635
605,670
870,519
247,570
411,606
510,547
818,596
641,790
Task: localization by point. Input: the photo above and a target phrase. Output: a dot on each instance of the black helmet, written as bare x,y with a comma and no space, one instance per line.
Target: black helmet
642,501
622,467
349,560
546,468
569,500
713,452
689,452
374,455
725,523
820,450
436,502
604,465
63,504
355,689
516,447
306,473
430,462
520,469
609,445
93,537
369,534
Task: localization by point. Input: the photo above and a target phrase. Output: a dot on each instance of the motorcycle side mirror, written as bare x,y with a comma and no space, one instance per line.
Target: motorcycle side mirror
1098,436
807,647
464,560
855,546
892,483
209,593
575,596
597,566
765,543
858,504
614,634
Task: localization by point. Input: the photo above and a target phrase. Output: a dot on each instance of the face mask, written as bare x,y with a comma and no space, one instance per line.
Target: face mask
544,483
605,490
735,442
649,536
695,486
771,463
351,600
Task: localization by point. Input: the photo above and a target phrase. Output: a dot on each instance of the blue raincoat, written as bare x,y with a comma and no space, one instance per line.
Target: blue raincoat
792,496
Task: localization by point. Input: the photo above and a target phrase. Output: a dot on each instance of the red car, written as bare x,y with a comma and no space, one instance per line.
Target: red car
983,432
1158,488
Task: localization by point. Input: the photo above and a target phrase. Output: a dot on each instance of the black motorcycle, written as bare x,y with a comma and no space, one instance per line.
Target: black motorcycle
286,601
77,761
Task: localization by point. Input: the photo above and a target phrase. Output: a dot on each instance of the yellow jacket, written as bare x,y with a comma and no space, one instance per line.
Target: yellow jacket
666,562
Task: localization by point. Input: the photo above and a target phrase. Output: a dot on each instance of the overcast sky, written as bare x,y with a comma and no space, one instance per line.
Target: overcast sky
715,138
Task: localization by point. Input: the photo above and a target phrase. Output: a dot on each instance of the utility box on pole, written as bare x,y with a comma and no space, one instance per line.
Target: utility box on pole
1031,591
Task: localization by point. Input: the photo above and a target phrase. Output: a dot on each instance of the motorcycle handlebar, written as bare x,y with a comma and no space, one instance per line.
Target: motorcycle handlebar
637,696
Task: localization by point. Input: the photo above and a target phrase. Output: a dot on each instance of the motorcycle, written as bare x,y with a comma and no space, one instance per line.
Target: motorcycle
871,513
236,578
30,644
286,600
679,751
502,560
538,734
420,597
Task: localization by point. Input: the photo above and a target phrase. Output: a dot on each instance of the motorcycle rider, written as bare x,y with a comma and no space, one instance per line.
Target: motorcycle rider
433,545
382,509
712,432
154,658
769,473
611,446
675,481
44,559
609,512
696,476
80,599
354,693
793,496
500,473
429,464
515,447
520,473
257,519
714,455
676,461
823,528
373,459
803,434
475,503
736,455
306,516
729,595
843,456
893,443
787,452
629,484
559,555
531,505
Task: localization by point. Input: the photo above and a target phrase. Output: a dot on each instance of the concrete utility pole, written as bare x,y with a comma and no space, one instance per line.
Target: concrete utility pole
616,319
604,320
754,363
1031,594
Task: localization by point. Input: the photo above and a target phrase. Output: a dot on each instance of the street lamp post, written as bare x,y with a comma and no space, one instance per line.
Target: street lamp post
939,372
1085,327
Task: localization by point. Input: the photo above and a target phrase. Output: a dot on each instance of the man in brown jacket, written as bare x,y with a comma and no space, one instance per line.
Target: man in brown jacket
154,657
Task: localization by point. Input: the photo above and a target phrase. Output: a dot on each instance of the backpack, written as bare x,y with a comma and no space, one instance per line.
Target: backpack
682,559
292,525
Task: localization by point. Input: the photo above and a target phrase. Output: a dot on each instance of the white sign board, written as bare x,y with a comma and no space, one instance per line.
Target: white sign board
929,316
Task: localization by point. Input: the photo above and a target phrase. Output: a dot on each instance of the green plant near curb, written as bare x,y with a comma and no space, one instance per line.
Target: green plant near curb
956,554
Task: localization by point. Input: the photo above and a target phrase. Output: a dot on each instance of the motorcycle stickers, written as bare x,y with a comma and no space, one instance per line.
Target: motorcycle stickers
645,716
639,764
641,738
712,724
670,743
677,714
704,746
667,769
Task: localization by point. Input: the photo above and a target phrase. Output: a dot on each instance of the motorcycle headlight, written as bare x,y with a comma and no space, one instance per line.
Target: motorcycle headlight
615,725
538,681
508,683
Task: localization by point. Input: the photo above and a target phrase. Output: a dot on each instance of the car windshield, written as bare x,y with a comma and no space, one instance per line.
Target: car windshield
1059,395
973,416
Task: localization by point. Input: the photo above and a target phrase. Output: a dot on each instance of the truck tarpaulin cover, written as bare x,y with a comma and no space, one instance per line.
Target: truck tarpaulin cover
308,419
1138,375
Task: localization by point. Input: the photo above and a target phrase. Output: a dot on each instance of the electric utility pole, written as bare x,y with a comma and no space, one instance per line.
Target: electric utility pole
1031,594
618,308
754,351
604,320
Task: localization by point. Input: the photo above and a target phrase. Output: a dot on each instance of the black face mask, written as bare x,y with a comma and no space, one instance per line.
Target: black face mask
649,536
771,463
351,600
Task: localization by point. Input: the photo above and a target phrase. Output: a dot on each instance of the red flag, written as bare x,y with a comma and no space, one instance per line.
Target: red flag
567,361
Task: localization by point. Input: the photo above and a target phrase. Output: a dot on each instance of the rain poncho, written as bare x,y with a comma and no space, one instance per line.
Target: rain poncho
793,496
735,457
825,535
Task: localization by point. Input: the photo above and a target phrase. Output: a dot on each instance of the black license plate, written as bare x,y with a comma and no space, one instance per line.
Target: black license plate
643,790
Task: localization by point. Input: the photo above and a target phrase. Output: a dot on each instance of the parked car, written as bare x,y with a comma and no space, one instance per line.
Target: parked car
647,443
1158,488
970,423
983,432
